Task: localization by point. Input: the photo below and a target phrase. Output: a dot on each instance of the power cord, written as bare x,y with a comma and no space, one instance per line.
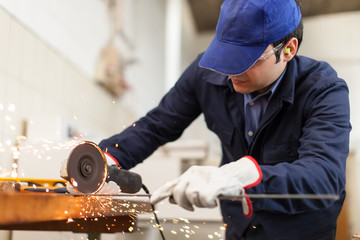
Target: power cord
153,208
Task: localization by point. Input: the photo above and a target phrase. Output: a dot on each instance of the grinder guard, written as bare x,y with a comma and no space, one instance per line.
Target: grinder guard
87,170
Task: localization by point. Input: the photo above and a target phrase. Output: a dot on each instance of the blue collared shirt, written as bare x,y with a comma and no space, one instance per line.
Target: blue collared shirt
254,108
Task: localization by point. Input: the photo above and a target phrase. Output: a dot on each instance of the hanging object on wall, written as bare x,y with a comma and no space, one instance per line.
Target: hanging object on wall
110,71
111,64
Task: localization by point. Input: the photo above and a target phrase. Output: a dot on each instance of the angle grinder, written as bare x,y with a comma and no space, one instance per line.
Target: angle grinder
88,168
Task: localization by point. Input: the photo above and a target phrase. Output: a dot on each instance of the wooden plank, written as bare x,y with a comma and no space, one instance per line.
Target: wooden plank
81,225
51,211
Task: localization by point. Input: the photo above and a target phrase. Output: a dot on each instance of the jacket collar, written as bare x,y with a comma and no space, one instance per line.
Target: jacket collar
286,89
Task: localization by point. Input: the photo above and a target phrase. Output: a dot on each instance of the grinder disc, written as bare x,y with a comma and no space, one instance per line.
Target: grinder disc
87,168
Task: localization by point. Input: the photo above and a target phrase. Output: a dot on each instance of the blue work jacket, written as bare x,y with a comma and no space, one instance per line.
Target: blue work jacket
301,144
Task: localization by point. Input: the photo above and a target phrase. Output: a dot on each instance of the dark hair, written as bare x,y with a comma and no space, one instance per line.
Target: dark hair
297,33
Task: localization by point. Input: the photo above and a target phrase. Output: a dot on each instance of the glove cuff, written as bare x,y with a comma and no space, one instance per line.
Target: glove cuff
247,206
110,160
258,170
246,202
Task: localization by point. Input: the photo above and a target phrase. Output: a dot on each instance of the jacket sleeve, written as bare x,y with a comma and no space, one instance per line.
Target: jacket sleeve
323,150
165,123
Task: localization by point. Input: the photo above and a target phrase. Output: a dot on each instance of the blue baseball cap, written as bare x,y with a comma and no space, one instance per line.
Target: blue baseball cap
245,29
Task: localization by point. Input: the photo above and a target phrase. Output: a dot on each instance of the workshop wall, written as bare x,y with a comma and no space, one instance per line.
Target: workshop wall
38,83
45,94
48,90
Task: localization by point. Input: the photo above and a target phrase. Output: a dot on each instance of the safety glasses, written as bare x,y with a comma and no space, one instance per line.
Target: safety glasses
271,52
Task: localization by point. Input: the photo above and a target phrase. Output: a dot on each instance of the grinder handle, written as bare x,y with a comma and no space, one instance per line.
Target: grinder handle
129,182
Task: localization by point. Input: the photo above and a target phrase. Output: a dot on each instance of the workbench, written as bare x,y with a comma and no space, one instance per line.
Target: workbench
64,212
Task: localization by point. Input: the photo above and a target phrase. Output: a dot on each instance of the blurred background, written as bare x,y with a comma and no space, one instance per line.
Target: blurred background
86,69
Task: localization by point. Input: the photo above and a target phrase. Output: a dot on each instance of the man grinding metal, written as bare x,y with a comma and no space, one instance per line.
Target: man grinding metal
283,121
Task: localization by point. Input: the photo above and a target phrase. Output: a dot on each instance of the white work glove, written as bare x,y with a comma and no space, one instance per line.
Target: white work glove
201,185
109,188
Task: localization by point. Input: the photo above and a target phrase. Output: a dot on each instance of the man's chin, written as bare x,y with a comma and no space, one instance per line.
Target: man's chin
242,90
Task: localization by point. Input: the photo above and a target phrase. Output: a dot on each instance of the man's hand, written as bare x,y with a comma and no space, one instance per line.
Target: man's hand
201,185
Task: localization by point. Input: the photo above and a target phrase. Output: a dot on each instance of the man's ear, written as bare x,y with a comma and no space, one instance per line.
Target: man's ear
290,49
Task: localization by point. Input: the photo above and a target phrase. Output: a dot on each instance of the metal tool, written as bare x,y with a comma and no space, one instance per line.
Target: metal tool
87,170
281,196
251,196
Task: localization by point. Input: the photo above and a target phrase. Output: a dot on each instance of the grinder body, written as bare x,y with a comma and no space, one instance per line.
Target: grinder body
87,169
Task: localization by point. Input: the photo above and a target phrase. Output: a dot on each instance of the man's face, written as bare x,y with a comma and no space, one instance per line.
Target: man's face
261,75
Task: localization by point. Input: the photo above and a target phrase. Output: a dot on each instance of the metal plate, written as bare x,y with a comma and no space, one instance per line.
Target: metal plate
87,168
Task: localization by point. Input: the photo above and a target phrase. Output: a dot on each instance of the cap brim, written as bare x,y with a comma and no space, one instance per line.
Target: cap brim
230,59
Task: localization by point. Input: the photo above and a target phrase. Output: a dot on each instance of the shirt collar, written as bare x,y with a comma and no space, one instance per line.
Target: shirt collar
270,92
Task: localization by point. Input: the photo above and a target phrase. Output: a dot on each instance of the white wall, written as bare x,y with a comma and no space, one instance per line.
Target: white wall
47,61
49,51
147,76
76,29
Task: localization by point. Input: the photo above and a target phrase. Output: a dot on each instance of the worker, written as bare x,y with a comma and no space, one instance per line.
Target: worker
282,119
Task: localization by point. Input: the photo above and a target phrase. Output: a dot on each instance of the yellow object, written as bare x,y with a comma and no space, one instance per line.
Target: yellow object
35,181
287,50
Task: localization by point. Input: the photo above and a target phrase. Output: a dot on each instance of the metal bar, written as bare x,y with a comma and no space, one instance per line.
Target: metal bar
281,196
255,196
